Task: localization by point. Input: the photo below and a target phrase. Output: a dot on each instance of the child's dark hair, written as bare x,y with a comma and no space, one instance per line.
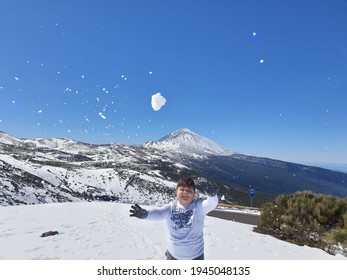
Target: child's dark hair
186,182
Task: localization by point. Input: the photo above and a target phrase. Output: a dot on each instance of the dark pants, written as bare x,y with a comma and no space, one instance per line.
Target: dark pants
171,258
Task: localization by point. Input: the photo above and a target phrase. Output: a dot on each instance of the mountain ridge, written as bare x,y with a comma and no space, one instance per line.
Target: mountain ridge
59,170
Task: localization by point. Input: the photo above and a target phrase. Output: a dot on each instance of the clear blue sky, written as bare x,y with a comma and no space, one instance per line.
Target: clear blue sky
265,78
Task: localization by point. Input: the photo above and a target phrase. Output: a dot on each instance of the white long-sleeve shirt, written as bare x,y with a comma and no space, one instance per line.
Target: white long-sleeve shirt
185,224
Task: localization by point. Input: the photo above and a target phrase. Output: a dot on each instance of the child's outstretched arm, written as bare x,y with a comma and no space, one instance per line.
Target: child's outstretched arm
157,213
212,199
210,203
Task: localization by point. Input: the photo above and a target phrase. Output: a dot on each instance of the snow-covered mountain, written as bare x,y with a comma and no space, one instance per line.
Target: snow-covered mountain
57,170
186,141
35,171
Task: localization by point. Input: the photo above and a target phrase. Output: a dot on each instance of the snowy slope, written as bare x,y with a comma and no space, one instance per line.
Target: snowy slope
101,230
36,171
59,170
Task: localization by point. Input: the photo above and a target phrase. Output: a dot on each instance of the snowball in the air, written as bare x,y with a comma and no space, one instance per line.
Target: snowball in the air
157,101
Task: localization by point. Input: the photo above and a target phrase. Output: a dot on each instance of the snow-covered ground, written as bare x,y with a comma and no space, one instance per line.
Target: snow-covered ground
104,231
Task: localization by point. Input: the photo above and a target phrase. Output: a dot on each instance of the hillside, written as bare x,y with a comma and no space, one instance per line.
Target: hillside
36,171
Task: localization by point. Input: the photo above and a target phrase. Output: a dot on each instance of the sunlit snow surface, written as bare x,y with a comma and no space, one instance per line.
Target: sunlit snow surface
95,230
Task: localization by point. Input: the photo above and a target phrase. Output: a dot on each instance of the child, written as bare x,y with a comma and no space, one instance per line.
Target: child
185,220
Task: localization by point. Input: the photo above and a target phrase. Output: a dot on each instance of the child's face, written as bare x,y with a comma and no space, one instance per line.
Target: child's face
185,195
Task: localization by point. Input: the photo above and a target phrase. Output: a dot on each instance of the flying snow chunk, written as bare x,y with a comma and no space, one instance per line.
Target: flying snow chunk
157,101
16,78
261,61
102,116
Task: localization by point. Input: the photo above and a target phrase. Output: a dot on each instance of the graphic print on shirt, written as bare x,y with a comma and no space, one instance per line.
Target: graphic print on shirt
182,218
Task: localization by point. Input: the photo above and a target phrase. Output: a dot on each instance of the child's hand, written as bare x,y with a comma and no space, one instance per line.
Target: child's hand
212,190
138,212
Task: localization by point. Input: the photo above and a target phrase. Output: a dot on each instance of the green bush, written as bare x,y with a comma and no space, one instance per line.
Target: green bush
337,236
306,218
